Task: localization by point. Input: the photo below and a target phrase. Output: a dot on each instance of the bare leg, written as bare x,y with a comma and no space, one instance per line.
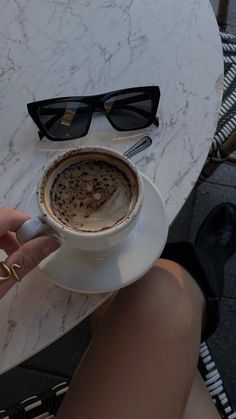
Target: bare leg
200,404
143,360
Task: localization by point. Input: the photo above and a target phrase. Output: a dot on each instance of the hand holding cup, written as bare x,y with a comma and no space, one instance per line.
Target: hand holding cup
21,259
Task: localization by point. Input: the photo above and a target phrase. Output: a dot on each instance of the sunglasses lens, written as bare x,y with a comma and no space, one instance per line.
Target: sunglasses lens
65,120
129,111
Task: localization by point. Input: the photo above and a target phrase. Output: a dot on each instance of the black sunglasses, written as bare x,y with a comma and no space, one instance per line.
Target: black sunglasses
67,118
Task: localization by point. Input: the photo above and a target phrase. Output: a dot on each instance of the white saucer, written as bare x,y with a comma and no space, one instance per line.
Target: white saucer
95,272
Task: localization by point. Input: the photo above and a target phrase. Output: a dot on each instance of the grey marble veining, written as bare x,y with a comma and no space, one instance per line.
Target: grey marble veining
55,48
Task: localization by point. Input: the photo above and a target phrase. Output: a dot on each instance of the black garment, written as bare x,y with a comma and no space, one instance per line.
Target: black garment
208,272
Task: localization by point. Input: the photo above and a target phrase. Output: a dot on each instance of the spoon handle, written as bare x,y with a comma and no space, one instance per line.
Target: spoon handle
141,145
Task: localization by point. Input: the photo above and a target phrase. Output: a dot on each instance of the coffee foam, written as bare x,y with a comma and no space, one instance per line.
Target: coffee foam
91,195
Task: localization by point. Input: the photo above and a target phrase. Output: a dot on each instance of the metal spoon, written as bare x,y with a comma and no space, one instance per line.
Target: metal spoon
141,145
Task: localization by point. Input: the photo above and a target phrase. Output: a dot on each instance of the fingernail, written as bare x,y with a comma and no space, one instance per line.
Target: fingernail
57,237
53,244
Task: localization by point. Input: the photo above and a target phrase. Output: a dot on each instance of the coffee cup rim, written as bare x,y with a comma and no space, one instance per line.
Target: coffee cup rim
86,234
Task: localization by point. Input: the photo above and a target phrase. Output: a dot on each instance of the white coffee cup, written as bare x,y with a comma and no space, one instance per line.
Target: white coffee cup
84,240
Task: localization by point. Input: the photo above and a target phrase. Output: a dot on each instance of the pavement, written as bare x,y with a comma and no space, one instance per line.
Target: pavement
221,187
57,363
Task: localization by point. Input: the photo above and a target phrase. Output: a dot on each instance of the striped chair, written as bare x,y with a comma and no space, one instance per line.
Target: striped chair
224,142
214,383
46,405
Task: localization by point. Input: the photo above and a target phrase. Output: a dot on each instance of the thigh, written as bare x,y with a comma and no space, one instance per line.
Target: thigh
143,359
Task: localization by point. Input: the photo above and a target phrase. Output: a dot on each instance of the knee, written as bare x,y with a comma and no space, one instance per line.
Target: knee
168,299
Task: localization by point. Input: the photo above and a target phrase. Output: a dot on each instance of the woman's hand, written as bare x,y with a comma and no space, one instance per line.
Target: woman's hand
28,255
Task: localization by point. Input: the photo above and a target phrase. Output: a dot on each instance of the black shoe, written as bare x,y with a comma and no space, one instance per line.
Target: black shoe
205,259
217,233
216,242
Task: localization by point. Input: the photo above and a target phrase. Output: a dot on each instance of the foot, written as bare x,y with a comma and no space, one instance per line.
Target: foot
218,231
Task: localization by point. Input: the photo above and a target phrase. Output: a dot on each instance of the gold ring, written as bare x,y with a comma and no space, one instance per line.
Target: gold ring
10,272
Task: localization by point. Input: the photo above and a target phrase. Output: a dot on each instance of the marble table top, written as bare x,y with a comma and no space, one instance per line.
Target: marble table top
52,49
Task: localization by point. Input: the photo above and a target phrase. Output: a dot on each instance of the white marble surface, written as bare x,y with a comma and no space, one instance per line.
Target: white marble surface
59,48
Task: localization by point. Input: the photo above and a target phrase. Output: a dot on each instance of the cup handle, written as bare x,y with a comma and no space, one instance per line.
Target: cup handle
32,228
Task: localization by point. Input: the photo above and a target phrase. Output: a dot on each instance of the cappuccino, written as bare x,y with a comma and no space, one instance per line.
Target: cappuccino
92,195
